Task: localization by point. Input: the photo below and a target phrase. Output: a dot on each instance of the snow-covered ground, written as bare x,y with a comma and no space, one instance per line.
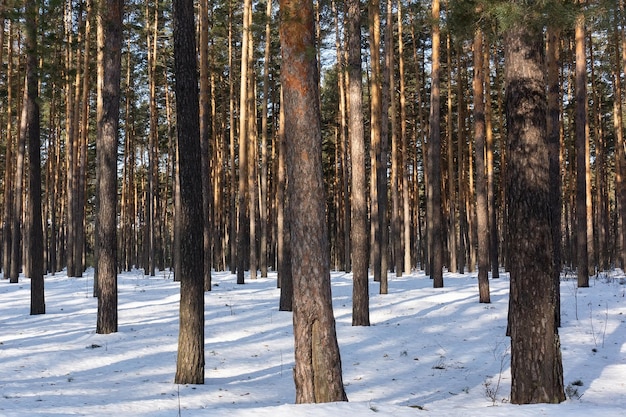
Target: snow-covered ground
430,352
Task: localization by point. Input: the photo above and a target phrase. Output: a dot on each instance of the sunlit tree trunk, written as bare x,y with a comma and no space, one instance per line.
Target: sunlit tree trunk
317,372
375,133
482,214
404,140
9,195
435,240
452,195
581,156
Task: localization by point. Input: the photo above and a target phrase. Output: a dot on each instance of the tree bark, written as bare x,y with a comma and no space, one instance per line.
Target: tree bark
358,229
536,369
109,72
581,156
482,213
190,360
434,160
317,371
30,124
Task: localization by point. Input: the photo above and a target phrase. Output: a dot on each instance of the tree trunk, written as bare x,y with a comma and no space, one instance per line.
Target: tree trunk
482,213
536,369
358,229
375,132
9,175
31,130
317,371
581,156
109,73
435,241
404,140
554,143
205,137
190,360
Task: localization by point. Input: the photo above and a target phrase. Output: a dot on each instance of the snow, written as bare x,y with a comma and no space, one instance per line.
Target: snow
429,352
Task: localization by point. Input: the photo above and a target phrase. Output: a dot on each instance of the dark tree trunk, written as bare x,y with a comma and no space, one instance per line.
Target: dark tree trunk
190,361
358,230
30,114
317,372
554,144
285,280
109,73
536,369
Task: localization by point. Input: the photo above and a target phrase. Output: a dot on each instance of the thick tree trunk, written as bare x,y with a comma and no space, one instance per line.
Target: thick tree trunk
190,360
554,143
109,73
536,369
317,371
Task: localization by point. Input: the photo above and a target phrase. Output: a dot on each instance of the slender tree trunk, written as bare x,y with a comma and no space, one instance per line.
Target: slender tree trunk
482,214
375,133
581,156
109,74
452,195
205,138
285,279
358,229
242,198
618,124
434,160
491,194
8,169
31,130
404,140
190,360
536,369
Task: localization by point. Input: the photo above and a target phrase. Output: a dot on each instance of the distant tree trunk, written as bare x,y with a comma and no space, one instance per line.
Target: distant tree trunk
16,227
554,144
435,241
205,137
390,110
30,129
482,213
491,195
452,195
190,360
375,132
620,158
581,156
233,236
404,140
242,197
264,198
536,369
285,279
9,175
358,229
109,73
317,371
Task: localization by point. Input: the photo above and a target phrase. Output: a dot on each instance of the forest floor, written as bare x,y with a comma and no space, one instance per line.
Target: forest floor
429,352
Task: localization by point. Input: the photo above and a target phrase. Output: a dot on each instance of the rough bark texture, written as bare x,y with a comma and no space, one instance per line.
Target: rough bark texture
109,73
317,372
31,115
190,361
554,143
358,230
536,369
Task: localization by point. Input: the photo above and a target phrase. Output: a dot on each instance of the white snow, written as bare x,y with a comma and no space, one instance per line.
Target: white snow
429,352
